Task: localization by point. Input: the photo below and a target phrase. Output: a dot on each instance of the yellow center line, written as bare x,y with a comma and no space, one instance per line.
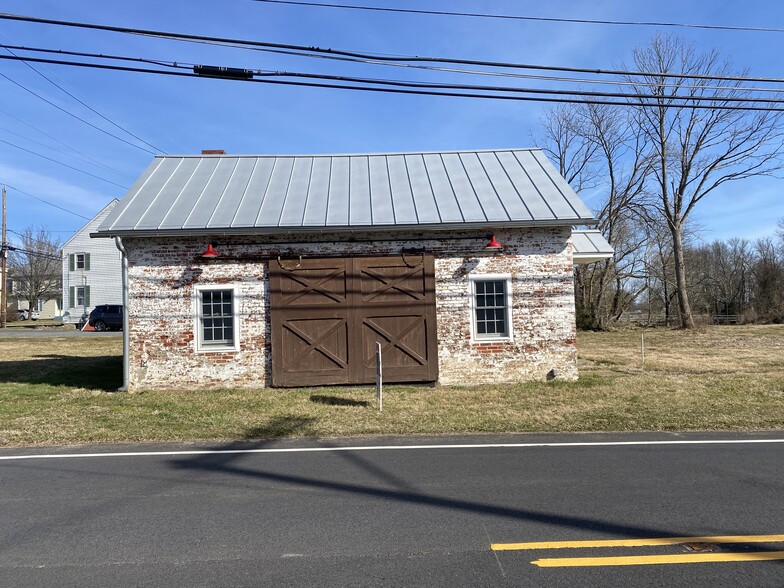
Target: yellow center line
643,560
637,542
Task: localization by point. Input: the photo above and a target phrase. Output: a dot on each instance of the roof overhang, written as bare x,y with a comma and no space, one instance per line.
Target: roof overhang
320,230
590,246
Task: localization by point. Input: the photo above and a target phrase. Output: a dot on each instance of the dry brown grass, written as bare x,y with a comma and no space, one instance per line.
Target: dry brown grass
743,349
58,390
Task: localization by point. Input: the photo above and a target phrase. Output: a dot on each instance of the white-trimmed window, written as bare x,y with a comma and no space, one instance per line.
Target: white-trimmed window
79,262
491,304
81,296
217,325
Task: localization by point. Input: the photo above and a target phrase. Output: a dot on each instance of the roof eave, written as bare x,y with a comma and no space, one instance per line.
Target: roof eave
590,257
434,228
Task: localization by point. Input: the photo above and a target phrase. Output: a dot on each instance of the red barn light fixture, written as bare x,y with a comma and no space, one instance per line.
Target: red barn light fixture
493,244
209,253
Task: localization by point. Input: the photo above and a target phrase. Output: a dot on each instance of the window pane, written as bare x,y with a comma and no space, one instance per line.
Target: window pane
217,317
491,310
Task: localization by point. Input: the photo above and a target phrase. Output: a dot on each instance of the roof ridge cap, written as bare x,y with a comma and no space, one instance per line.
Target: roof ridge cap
378,154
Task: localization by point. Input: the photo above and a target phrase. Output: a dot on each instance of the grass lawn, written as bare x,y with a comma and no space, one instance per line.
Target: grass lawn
59,390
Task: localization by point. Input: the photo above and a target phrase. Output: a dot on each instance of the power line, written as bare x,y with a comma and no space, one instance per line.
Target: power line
525,18
182,65
68,112
490,73
399,58
63,164
90,108
74,149
63,153
32,240
47,202
543,91
572,97
433,85
160,62
31,253
50,231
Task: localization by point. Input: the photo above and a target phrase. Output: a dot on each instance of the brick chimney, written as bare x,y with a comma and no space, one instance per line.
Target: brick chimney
213,152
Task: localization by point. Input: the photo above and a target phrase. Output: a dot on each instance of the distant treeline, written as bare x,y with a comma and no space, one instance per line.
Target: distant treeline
733,281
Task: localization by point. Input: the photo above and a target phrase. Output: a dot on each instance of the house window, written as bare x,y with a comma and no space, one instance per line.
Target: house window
491,303
39,306
216,322
79,261
81,295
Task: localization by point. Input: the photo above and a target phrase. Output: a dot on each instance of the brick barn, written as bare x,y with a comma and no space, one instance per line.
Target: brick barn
255,271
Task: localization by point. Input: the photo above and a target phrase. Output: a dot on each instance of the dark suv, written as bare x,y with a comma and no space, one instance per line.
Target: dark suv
106,316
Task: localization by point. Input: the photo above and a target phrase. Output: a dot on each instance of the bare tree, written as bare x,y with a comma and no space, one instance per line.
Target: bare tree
621,149
36,267
565,142
659,272
694,151
596,146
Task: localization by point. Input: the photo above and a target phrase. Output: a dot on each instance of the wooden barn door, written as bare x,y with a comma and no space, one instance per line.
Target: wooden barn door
328,314
309,315
395,306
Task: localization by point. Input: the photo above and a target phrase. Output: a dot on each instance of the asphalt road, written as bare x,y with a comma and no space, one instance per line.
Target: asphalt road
422,516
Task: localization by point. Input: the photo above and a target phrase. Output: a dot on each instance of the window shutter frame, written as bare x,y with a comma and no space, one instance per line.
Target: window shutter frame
71,263
87,262
71,295
87,295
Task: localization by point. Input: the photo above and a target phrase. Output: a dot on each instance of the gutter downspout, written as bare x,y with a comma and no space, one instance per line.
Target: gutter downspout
126,336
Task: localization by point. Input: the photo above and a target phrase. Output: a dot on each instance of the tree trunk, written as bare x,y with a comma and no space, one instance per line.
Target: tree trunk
684,308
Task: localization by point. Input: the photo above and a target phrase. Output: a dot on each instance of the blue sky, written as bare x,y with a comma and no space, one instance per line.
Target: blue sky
181,116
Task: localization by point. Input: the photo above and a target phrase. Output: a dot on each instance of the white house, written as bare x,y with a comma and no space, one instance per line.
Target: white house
92,270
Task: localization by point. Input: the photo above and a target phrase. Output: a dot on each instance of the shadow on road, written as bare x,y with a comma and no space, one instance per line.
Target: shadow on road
394,488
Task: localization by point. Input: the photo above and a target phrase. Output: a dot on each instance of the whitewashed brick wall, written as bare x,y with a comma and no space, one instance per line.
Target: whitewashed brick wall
163,273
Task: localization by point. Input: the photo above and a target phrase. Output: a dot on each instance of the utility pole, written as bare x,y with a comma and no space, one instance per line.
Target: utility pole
3,269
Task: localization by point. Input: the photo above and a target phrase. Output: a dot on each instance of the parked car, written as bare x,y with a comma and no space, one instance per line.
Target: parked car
23,314
106,316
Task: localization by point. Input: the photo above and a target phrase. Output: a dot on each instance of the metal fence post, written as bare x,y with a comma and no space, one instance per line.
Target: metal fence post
379,379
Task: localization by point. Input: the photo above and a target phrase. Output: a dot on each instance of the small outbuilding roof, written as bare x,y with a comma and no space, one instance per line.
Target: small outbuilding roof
209,194
590,246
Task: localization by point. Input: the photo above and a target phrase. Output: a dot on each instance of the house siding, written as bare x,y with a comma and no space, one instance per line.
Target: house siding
163,274
104,277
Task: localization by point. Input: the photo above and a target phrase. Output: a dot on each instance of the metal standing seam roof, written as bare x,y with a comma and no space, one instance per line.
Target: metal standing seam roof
208,194
590,246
